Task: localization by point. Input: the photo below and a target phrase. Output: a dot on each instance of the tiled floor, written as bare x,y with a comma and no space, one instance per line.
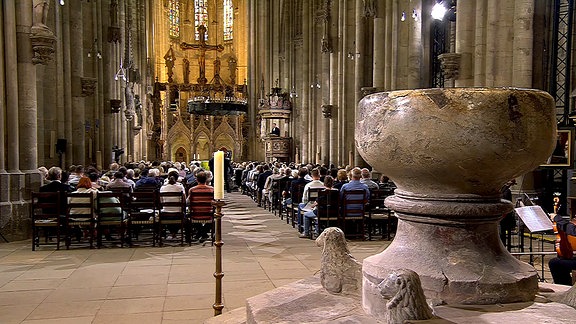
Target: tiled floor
158,285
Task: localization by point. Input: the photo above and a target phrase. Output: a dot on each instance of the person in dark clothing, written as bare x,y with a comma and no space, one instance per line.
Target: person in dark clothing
262,181
508,222
561,267
55,185
275,130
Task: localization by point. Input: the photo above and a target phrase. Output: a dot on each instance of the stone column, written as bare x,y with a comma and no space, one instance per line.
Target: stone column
387,12
334,78
77,70
67,80
491,41
415,46
379,62
523,38
465,42
358,70
480,44
5,205
10,57
306,93
27,118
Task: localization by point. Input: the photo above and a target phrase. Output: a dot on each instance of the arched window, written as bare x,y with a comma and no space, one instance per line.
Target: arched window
228,20
174,18
200,17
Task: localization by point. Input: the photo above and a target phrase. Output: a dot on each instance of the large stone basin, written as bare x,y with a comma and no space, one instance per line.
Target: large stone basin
449,151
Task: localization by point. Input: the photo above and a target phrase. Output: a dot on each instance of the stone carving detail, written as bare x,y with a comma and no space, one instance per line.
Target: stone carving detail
41,36
450,63
114,29
115,105
88,86
569,297
340,273
406,297
369,8
327,111
42,45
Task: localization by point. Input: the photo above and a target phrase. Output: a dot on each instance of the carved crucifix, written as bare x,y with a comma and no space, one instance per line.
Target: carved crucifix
202,47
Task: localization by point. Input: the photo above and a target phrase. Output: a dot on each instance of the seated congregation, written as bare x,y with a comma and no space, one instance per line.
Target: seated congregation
311,199
87,208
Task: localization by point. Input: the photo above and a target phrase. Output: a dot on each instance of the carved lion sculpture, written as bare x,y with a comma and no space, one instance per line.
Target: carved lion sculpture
406,297
339,271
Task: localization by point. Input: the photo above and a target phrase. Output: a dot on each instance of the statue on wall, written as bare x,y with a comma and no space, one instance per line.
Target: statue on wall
186,68
41,13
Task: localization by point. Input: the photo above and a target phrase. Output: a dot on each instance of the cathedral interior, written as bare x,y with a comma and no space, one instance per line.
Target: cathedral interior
90,82
93,82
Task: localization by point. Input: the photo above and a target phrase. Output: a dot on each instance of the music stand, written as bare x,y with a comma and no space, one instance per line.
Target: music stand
537,221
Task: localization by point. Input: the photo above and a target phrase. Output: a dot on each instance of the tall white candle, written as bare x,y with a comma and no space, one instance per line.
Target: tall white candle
219,175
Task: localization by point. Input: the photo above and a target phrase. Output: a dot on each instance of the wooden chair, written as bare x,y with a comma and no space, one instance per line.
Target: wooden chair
143,208
379,216
328,209
296,195
46,215
201,210
172,212
111,212
312,196
277,188
80,215
353,205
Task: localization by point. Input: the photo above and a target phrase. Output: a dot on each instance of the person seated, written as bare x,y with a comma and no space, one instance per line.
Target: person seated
315,183
201,229
118,182
309,215
355,184
367,179
561,267
55,185
172,186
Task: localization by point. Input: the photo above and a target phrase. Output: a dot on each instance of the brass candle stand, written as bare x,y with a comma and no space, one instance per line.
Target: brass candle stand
218,274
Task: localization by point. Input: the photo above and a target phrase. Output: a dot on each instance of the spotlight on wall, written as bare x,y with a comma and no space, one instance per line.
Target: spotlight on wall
403,17
61,2
439,10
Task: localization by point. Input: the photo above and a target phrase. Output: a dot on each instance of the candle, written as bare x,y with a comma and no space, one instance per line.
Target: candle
219,175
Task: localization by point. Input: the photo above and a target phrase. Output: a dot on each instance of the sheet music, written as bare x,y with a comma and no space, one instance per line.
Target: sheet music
535,218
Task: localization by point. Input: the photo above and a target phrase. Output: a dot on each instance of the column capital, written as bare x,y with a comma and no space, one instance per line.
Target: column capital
42,40
450,65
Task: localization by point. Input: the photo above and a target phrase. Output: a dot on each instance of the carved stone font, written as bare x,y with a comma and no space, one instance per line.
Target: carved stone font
450,63
340,273
406,300
441,147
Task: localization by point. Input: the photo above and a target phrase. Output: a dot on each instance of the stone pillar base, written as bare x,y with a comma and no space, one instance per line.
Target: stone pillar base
457,264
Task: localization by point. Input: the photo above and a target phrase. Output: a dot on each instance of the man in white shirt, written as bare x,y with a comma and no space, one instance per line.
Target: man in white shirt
315,183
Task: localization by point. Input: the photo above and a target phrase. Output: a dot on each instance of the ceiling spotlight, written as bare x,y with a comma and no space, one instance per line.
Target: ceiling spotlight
438,11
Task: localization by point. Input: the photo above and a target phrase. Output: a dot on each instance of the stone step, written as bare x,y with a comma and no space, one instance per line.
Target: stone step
235,316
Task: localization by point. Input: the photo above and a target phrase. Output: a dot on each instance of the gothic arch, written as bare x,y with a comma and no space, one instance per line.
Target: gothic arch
178,137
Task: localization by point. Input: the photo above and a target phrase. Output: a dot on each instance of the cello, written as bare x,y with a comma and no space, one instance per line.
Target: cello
564,243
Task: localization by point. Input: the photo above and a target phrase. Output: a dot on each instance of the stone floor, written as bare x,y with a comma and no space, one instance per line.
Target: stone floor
158,285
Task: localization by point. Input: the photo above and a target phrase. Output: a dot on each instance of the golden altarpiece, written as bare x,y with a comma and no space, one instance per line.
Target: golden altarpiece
198,104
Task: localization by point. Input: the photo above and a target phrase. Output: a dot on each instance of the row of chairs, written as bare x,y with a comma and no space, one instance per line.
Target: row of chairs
65,215
373,217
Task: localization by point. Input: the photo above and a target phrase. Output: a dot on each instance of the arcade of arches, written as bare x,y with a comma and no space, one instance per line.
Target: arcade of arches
94,75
